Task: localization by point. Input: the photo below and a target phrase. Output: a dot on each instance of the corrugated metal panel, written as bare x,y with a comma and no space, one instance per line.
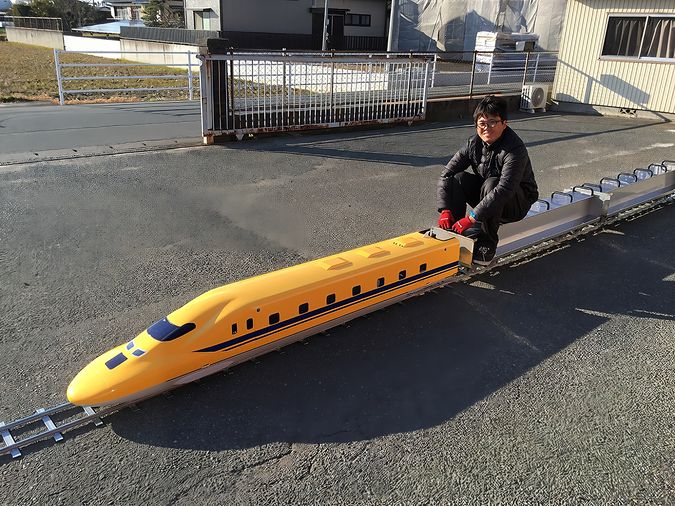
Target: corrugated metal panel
583,77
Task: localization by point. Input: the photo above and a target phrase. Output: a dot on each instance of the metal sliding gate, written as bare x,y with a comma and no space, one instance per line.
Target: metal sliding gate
246,93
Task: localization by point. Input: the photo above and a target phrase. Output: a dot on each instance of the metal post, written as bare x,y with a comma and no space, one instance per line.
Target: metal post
57,64
527,61
409,84
393,21
283,94
433,71
324,42
290,104
473,73
233,126
189,57
332,84
536,67
423,113
206,109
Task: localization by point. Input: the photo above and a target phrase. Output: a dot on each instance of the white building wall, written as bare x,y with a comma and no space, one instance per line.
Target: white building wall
584,77
92,44
378,16
201,5
270,16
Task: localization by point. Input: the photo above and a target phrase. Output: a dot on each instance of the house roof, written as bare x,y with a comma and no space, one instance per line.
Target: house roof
112,28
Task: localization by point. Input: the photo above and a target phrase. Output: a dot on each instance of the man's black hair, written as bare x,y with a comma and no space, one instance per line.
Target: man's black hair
491,106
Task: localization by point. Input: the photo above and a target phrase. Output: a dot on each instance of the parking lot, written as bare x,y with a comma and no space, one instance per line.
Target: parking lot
546,382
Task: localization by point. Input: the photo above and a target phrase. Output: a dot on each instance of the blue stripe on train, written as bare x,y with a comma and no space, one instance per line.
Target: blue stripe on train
238,341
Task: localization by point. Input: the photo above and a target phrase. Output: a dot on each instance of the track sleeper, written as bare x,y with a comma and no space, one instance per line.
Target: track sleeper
89,411
49,423
9,441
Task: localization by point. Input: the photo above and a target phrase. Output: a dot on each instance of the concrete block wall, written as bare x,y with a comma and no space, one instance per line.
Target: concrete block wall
44,38
163,52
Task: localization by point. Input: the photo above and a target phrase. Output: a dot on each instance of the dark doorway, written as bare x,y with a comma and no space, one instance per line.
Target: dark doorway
336,30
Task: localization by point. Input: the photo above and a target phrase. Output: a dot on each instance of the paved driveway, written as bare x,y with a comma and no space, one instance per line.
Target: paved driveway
548,382
45,128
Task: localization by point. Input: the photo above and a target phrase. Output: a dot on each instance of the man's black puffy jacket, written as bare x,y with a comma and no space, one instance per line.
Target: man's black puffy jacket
506,159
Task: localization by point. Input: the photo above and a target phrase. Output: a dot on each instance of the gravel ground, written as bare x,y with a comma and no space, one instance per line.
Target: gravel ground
547,382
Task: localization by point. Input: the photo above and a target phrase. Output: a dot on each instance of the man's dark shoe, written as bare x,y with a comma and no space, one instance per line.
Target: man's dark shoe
484,254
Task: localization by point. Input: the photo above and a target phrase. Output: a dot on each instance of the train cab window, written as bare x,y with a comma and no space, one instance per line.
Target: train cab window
380,282
401,275
138,352
115,361
249,324
356,290
164,330
274,318
234,328
330,299
304,307
423,267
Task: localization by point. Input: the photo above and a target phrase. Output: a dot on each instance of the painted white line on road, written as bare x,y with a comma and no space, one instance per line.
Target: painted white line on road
613,155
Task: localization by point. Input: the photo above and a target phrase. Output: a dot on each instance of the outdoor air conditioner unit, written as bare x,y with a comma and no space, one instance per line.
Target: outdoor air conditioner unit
534,97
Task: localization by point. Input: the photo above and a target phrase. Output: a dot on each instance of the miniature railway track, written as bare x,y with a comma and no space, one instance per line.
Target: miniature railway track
78,416
69,416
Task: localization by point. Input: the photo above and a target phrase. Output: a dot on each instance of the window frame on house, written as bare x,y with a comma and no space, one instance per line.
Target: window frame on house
638,56
206,15
363,20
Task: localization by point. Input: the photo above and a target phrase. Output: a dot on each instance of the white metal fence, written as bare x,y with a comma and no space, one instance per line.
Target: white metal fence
251,92
479,72
91,80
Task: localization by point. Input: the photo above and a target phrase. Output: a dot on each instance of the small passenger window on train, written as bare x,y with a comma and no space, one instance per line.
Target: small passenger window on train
234,328
274,318
330,299
401,275
356,290
249,323
380,282
304,307
423,267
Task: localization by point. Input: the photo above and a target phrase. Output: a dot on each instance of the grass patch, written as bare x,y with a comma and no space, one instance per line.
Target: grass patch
29,73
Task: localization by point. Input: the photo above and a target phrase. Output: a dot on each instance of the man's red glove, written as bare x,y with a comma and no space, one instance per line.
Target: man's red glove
462,225
445,220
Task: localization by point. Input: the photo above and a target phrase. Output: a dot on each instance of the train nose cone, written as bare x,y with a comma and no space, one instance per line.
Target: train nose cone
83,391
75,393
92,386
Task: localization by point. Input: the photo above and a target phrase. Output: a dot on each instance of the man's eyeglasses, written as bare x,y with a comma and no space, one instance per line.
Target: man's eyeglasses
488,124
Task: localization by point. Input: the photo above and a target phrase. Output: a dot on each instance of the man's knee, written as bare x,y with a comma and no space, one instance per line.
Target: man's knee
488,185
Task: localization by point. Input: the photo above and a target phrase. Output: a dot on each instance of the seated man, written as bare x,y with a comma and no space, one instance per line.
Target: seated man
500,187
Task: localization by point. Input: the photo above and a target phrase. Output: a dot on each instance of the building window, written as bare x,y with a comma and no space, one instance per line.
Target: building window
640,37
357,19
203,19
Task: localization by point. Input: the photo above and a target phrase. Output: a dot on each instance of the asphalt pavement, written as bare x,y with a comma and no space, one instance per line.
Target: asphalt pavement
30,132
546,382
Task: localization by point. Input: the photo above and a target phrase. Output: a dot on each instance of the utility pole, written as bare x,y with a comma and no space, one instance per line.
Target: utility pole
393,22
324,43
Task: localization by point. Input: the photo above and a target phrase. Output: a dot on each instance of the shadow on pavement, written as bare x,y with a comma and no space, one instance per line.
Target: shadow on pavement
396,142
417,365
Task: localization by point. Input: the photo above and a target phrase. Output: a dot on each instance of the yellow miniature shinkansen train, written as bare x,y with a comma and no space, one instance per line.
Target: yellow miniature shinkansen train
239,321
